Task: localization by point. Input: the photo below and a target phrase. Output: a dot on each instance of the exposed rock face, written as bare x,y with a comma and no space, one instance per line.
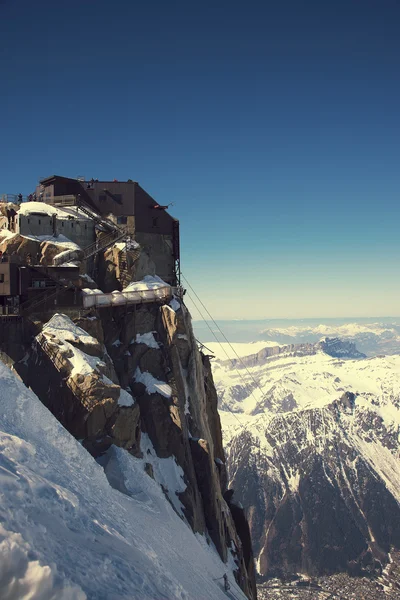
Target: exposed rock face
318,490
154,352
313,456
90,403
121,264
55,254
21,248
86,375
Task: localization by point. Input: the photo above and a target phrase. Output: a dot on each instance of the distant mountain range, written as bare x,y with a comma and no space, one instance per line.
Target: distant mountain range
312,437
371,336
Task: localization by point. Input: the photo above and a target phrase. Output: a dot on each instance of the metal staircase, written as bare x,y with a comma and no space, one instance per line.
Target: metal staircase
99,245
92,214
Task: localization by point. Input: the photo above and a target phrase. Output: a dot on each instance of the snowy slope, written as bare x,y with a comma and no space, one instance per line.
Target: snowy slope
286,382
66,534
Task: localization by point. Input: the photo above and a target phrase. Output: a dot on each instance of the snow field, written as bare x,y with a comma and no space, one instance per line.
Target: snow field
67,534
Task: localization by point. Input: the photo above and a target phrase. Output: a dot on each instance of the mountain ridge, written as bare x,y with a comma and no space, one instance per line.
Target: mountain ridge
313,452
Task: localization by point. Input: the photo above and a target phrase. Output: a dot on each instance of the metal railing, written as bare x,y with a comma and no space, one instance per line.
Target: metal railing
13,198
94,215
96,247
67,200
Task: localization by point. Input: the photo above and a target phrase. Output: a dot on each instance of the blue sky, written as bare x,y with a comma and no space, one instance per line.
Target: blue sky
273,126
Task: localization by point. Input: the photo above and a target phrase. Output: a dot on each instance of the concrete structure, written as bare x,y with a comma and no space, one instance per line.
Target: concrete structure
128,205
40,222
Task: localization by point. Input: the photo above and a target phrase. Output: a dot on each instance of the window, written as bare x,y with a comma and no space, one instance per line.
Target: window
62,223
85,226
72,224
1,277
117,198
122,220
40,222
155,220
29,221
38,283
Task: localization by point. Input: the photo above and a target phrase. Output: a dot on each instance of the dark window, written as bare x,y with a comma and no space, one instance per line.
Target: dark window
85,226
72,224
62,223
155,220
29,221
102,197
122,220
40,222
38,283
2,278
117,198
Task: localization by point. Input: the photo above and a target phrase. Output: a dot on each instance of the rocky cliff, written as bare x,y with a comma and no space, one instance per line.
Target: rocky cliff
133,377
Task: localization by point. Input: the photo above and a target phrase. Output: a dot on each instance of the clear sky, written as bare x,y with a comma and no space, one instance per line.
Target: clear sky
273,126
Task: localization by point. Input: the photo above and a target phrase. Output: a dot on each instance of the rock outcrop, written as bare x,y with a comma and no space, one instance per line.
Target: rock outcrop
74,376
22,250
125,373
320,488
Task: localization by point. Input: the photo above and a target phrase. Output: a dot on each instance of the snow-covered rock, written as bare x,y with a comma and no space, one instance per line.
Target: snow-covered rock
313,445
92,404
124,373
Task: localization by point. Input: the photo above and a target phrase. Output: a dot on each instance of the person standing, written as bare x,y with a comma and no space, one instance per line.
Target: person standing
226,583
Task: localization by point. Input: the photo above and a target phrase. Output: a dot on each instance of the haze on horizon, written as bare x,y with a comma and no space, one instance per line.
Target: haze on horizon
272,127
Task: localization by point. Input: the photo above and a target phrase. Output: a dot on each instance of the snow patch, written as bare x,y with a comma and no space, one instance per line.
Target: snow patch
28,208
23,578
125,399
152,384
166,472
146,338
149,289
175,304
6,234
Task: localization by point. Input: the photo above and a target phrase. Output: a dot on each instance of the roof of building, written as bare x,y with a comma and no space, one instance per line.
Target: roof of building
42,208
52,178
